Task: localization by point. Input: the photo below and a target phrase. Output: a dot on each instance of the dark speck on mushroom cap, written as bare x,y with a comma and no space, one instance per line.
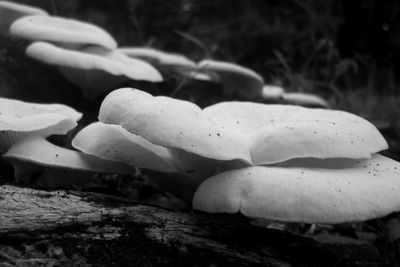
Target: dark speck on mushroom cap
296,132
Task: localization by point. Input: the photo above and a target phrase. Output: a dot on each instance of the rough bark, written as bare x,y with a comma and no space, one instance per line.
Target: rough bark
85,229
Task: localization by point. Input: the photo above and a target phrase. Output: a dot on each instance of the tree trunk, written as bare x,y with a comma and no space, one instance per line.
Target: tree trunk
83,229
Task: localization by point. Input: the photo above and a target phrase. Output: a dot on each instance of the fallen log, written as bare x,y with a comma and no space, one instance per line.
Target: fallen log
71,228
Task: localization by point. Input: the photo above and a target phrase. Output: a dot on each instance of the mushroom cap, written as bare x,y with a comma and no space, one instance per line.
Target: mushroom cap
112,142
19,119
168,62
10,12
18,108
304,99
172,123
235,78
158,57
150,55
38,150
364,190
249,132
272,92
276,133
94,69
12,129
64,32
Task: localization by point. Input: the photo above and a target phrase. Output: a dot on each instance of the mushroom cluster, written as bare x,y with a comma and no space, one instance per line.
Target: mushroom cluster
277,162
89,57
24,128
274,93
84,53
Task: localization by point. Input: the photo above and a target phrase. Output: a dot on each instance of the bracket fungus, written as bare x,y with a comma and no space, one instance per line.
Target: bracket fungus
10,12
94,69
50,164
63,32
234,78
19,119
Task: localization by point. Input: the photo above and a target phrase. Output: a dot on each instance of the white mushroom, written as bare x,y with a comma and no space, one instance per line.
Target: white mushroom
365,189
170,63
10,12
18,108
304,99
112,142
272,93
19,119
276,133
276,94
61,31
94,69
172,123
244,131
231,136
34,151
159,58
235,78
236,134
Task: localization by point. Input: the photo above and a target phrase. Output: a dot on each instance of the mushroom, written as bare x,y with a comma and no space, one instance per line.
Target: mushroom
19,119
234,78
363,190
112,142
276,94
172,123
225,136
276,162
159,58
10,12
242,131
64,32
35,157
297,132
272,93
94,69
169,63
304,99
18,108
